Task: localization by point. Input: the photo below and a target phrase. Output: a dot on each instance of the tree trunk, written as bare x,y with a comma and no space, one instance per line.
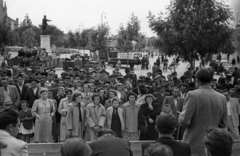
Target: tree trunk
192,64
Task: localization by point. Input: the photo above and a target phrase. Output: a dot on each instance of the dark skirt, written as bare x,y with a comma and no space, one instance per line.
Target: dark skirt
116,124
151,134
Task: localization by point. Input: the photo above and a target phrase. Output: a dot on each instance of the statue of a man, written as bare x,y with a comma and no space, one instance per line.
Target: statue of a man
44,24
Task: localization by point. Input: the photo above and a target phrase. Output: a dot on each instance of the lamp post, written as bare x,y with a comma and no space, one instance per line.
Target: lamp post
103,14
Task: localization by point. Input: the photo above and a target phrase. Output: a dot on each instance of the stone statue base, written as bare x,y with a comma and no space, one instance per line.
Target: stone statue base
45,43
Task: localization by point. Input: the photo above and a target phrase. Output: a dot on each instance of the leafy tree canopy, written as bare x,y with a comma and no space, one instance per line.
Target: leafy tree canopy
193,28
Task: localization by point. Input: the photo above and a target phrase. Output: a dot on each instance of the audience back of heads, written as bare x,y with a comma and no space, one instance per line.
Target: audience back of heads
9,121
105,131
218,142
75,147
157,149
166,124
204,75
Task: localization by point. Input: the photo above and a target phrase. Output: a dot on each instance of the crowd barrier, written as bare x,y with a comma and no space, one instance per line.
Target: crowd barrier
53,149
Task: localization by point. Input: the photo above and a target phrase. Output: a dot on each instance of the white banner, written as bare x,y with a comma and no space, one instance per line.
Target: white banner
125,56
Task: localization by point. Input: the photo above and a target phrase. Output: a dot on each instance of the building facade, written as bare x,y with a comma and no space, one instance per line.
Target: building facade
13,24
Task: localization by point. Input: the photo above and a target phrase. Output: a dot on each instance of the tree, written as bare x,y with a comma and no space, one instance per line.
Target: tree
98,39
194,28
4,30
28,38
71,40
27,22
131,34
13,38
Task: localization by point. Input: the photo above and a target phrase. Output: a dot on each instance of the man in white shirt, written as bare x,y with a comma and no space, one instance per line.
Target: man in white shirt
233,111
9,128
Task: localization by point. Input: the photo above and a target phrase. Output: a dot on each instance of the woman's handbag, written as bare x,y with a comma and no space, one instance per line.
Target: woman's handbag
144,128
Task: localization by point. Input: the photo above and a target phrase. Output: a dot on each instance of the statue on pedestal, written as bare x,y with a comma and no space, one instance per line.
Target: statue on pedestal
44,24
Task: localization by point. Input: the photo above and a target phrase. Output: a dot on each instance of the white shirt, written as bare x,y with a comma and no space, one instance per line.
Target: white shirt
229,108
35,90
175,102
20,88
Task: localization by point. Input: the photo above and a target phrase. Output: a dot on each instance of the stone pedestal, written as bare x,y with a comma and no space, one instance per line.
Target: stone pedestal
45,43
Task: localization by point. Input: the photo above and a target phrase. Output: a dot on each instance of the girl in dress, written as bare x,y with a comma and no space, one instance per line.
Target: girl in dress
114,118
26,118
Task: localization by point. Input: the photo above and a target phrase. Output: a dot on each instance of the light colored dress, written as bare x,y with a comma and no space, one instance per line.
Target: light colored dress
43,125
130,117
95,116
74,121
62,109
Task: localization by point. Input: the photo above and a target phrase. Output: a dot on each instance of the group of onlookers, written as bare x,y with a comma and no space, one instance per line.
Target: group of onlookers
101,105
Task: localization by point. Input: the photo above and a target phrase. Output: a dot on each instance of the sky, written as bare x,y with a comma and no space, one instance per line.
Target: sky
82,14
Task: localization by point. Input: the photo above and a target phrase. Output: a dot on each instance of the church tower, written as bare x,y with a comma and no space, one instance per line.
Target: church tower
1,3
5,7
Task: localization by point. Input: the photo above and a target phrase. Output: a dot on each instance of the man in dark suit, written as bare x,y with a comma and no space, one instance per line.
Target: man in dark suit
176,105
108,144
166,126
160,97
32,93
22,89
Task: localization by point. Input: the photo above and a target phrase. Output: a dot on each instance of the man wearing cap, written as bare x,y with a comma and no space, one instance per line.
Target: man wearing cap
227,85
43,81
202,107
166,127
33,93
9,97
22,89
67,83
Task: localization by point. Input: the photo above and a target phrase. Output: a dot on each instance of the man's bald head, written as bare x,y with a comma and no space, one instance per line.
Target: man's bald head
205,75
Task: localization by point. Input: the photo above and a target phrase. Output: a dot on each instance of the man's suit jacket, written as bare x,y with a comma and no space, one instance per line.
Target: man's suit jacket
159,99
15,147
15,97
170,100
235,111
30,97
24,90
111,146
178,148
202,108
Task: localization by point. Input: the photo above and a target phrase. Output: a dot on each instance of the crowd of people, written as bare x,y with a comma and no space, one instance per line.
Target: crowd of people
98,104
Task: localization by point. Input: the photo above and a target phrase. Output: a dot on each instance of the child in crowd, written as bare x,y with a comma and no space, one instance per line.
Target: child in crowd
26,119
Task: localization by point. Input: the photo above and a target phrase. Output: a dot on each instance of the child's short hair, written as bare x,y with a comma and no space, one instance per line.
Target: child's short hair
23,101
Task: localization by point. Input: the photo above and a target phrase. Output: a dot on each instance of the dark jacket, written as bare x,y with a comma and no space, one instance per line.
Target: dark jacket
178,148
110,146
160,98
30,97
22,94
